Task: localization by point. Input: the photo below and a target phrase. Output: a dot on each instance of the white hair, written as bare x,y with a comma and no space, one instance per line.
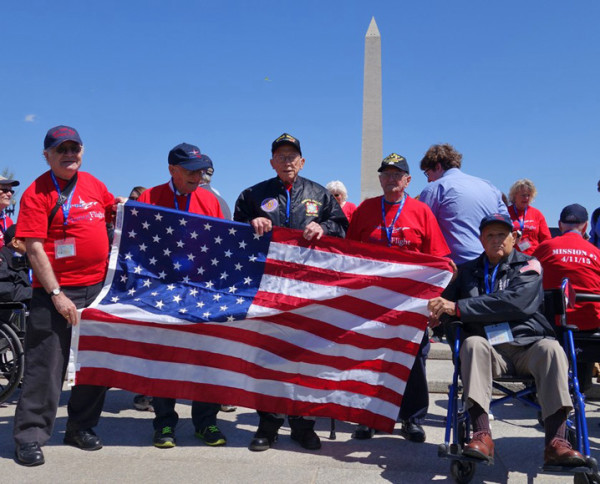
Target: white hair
338,186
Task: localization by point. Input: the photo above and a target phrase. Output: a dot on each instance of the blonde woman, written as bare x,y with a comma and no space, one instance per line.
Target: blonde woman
527,219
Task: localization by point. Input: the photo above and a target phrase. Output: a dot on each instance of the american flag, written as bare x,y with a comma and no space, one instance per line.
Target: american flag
201,308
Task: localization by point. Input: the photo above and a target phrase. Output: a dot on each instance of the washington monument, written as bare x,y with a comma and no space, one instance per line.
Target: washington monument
372,135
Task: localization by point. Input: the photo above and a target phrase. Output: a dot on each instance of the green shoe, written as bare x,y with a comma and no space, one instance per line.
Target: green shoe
164,438
211,435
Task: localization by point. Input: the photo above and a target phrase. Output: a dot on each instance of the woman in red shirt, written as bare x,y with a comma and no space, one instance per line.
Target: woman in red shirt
527,219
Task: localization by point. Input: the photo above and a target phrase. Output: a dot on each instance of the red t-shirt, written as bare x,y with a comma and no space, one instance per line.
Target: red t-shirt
535,229
571,256
91,206
202,201
5,222
415,229
349,208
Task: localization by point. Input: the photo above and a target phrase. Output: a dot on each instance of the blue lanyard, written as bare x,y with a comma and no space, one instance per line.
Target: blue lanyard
66,207
389,229
489,288
3,217
288,202
521,220
189,197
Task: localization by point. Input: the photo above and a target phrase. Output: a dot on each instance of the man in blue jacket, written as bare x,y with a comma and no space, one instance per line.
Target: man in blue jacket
499,297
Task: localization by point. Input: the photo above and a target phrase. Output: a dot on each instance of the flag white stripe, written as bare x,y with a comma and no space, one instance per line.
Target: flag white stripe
214,344
355,265
273,388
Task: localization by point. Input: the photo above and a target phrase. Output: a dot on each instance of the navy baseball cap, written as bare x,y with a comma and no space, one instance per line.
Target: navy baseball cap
495,218
187,156
574,214
395,160
286,139
60,134
209,165
6,181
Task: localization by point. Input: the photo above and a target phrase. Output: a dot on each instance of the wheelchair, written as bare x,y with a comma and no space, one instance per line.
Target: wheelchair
458,426
12,357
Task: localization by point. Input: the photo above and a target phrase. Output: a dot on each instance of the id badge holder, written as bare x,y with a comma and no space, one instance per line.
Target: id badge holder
499,333
64,248
524,245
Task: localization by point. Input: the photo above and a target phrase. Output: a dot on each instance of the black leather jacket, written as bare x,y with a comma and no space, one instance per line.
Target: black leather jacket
517,298
309,202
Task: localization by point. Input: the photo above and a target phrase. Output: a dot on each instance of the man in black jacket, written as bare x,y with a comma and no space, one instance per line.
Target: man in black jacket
288,200
498,297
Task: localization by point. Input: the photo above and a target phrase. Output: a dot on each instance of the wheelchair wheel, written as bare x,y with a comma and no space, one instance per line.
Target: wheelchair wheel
462,471
11,361
586,478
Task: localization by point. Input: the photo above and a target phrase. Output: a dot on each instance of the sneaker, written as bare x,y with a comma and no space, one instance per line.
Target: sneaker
228,408
143,403
212,436
164,438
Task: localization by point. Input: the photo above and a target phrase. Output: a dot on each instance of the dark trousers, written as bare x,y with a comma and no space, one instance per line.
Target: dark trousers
47,344
203,414
415,401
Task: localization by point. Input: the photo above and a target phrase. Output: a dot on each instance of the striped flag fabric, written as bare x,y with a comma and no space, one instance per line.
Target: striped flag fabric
201,308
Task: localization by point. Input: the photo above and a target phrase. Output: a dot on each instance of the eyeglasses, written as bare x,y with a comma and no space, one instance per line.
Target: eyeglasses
426,172
393,175
336,195
7,190
75,149
286,159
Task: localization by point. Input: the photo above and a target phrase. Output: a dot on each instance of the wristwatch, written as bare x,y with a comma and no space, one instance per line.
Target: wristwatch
55,292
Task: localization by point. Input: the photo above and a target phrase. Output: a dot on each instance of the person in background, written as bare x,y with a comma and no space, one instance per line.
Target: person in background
207,175
458,201
338,190
397,220
289,200
570,255
6,194
528,220
595,225
136,192
182,192
62,219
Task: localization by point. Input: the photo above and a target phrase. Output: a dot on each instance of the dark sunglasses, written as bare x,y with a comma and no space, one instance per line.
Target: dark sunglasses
68,149
7,190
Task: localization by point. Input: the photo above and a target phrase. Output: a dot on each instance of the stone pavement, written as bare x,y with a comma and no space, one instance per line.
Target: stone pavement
128,455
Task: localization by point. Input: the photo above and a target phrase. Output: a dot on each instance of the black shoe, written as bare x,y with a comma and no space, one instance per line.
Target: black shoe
262,441
83,439
29,454
363,432
412,431
307,439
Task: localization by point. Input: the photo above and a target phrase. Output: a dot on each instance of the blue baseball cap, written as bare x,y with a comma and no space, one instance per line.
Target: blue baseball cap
574,214
496,218
187,156
60,134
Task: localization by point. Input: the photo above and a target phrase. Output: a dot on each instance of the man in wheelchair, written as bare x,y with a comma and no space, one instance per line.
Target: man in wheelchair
498,298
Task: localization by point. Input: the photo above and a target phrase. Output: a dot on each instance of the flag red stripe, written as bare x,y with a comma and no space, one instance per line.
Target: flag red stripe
326,277
268,343
233,396
360,250
207,359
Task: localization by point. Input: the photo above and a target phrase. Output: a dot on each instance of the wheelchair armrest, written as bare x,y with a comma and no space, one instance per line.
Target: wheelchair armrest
13,305
587,297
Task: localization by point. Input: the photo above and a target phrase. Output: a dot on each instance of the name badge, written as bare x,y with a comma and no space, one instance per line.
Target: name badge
499,333
524,245
64,248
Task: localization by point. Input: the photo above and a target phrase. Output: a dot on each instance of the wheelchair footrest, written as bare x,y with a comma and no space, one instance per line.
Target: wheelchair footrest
454,452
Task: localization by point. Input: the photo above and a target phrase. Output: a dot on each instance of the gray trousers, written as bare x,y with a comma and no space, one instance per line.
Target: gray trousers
544,359
47,344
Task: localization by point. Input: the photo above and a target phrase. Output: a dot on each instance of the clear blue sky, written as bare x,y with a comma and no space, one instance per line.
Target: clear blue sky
514,85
